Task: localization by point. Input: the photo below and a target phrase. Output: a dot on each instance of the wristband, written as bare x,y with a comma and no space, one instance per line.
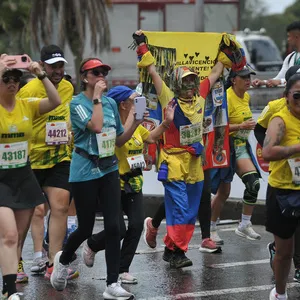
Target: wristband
165,125
42,76
282,81
141,50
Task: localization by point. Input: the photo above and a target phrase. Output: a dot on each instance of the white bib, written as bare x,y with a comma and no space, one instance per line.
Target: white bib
295,169
136,162
13,155
190,134
106,141
56,133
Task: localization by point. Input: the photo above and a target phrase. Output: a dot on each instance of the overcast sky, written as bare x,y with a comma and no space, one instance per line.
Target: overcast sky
277,6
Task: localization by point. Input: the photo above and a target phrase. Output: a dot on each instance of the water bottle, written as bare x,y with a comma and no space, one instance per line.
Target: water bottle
163,171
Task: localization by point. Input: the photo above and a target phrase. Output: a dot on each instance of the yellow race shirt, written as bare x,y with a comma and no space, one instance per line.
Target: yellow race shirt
238,112
16,132
50,131
181,164
286,172
272,108
131,149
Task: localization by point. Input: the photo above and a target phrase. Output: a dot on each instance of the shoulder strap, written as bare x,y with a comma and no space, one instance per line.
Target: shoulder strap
291,57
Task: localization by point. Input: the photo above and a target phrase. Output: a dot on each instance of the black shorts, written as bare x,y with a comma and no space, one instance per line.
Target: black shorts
276,223
19,189
57,176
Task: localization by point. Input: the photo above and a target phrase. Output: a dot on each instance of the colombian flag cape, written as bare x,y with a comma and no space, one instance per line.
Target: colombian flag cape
198,51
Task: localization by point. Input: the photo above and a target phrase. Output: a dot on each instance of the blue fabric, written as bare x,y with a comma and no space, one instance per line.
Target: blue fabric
81,110
182,202
120,93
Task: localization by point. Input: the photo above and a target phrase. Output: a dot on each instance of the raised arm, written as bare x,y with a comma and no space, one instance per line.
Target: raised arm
53,100
215,73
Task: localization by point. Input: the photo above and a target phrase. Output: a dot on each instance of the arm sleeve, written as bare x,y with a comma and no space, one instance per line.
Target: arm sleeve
204,88
284,68
165,96
260,133
80,116
34,104
144,132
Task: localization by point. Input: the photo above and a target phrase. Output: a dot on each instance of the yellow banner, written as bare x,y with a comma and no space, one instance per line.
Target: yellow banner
193,49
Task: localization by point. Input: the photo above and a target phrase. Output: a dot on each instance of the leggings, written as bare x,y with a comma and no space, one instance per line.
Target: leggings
204,212
86,195
132,205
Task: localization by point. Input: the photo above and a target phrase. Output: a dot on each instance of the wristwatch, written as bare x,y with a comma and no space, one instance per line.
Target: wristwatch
97,101
42,76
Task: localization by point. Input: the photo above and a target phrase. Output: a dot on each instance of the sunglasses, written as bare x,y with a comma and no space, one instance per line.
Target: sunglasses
6,79
296,95
99,72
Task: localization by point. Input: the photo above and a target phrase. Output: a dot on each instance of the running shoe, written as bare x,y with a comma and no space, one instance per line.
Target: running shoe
72,274
215,237
88,255
272,251
274,295
22,277
247,232
59,274
115,291
297,275
127,278
150,233
209,246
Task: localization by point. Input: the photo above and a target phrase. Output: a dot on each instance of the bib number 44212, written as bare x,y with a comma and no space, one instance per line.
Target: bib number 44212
56,133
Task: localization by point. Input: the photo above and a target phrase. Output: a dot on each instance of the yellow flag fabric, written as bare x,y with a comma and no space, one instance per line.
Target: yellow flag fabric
197,50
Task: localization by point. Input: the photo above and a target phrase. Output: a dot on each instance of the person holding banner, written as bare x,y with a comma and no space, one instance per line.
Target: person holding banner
180,166
94,174
131,163
282,148
242,160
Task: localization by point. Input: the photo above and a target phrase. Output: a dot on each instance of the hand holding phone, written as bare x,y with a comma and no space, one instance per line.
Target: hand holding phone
140,107
22,61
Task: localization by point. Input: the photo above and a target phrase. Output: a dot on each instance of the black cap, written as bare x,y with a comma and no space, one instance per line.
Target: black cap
13,72
292,71
52,54
244,72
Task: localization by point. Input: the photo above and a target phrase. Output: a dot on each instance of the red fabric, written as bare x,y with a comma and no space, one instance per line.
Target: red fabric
204,88
94,63
181,235
141,50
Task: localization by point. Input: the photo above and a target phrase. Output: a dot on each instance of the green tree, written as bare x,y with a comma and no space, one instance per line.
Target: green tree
66,22
14,16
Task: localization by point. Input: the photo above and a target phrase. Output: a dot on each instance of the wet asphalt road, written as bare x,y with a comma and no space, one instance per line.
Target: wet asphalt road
241,271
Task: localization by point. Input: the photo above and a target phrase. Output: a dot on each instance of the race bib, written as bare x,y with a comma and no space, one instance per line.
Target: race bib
106,141
217,92
295,169
190,134
13,155
56,133
136,162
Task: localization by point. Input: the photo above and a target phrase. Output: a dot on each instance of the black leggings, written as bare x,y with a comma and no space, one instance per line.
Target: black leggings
204,212
132,205
86,195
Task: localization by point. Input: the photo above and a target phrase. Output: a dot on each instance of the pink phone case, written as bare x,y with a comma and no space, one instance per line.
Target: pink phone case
23,61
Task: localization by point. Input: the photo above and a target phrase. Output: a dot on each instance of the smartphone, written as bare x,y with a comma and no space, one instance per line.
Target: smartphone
22,61
140,107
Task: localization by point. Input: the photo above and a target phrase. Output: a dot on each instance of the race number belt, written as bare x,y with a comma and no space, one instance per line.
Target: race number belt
56,133
14,155
106,141
190,134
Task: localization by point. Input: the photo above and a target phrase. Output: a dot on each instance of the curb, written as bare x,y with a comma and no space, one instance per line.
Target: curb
232,209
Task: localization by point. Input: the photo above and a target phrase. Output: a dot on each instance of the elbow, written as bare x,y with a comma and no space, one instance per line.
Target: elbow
267,154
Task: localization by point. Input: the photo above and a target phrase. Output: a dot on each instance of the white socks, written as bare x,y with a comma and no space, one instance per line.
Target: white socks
245,220
71,221
38,254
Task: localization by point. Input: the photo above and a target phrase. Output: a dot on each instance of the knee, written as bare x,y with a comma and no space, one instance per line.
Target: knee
39,212
252,186
59,209
10,238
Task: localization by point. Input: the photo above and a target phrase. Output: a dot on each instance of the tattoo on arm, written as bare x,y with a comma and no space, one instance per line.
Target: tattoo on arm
280,133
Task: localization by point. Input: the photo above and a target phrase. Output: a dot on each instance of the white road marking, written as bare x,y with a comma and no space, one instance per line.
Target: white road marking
240,263
219,292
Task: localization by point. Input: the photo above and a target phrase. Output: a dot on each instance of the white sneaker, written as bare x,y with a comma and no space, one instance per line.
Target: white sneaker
88,255
215,237
115,291
247,232
16,296
59,275
127,278
39,264
274,295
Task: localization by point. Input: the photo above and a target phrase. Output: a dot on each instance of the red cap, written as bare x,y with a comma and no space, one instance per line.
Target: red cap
92,64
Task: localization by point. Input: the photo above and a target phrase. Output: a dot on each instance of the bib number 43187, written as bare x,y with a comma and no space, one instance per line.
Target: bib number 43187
13,155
